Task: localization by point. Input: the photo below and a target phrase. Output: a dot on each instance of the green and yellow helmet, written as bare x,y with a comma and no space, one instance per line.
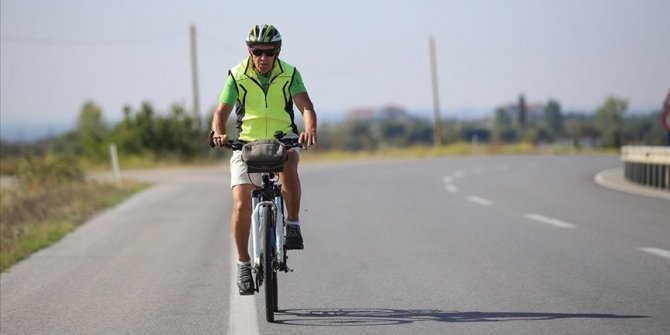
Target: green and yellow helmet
264,34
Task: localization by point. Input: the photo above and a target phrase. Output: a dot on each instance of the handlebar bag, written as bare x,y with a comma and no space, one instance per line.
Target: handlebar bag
264,156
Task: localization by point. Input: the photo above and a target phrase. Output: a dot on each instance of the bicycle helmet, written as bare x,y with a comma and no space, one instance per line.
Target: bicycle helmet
264,34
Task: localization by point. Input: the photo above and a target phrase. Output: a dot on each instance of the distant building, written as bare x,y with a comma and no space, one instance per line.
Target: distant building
388,112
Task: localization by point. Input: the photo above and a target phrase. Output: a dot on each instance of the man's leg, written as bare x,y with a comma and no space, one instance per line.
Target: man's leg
241,220
291,187
291,191
241,223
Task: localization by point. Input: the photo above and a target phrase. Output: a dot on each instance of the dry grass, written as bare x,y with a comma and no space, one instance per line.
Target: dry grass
33,219
456,149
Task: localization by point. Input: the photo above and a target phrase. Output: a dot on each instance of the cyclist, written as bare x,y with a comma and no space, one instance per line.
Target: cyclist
262,90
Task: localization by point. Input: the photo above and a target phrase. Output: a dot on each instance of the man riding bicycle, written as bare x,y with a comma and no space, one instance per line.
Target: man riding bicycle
262,89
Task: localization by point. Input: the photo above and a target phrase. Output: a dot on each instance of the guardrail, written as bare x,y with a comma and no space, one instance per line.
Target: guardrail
646,165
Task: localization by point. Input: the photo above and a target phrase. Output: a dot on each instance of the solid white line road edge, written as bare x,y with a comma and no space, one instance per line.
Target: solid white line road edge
550,221
242,308
625,186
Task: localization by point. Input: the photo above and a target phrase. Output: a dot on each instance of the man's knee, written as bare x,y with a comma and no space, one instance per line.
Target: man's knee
291,165
242,207
242,199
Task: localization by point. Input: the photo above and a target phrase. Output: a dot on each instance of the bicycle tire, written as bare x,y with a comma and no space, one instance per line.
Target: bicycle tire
276,293
270,276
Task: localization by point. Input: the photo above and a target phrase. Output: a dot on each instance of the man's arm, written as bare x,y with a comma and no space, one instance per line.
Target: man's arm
221,115
306,108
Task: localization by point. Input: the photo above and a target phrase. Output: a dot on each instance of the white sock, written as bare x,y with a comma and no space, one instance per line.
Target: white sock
296,222
243,263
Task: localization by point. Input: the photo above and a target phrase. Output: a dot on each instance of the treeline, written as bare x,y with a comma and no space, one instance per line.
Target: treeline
608,127
175,135
537,123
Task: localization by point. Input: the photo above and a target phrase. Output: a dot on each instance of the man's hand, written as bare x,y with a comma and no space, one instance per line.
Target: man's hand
307,139
220,140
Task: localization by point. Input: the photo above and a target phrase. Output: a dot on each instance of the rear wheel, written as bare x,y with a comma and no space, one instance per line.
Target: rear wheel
270,276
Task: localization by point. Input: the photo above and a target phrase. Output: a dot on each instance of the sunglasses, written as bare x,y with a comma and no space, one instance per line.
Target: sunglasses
267,52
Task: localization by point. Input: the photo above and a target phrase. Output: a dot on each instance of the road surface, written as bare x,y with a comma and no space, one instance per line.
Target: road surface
477,245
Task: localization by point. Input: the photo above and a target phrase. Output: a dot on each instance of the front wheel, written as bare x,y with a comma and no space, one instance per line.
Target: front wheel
269,274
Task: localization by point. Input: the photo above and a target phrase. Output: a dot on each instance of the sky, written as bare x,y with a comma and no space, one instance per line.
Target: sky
56,55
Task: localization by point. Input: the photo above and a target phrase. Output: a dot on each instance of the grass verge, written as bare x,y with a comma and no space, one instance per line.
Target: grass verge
456,149
33,219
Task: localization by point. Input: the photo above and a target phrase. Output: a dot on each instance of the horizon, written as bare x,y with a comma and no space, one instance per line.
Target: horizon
23,133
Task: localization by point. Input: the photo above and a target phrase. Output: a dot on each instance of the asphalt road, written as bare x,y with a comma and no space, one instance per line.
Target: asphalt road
483,245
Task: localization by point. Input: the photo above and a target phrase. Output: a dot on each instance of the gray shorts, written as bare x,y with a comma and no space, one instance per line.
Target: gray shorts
238,171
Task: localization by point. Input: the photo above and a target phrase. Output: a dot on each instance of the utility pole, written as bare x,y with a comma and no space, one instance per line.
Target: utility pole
194,78
437,134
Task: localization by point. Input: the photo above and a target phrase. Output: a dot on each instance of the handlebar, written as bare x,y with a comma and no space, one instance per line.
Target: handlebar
235,145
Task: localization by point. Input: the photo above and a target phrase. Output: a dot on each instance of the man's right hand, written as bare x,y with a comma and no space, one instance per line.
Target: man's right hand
219,140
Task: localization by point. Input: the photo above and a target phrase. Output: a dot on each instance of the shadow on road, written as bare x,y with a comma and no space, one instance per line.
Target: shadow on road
373,317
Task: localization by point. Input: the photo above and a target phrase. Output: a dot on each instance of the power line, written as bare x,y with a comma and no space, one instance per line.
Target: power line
49,41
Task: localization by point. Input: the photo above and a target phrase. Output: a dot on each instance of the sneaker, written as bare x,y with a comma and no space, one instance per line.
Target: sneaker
293,237
245,281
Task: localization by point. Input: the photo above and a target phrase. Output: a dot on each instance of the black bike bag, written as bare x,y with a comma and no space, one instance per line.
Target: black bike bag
264,156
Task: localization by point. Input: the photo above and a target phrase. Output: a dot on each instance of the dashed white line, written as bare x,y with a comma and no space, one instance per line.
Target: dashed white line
657,252
550,221
480,201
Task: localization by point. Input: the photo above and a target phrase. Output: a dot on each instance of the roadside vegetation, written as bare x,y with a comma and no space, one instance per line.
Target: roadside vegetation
50,199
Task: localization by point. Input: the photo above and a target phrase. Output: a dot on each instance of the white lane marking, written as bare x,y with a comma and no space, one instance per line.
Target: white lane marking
480,201
452,188
242,308
550,221
657,252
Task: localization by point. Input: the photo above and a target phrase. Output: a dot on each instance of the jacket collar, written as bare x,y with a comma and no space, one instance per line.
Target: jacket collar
250,71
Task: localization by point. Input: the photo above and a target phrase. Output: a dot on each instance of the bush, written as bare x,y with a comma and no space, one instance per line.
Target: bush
34,171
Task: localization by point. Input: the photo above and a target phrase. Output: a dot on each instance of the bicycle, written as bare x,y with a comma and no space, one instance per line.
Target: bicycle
267,220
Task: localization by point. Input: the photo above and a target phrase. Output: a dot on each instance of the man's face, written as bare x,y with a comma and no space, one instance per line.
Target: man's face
263,57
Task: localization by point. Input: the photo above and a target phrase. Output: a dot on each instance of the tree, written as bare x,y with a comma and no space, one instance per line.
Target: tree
644,129
522,112
553,118
146,132
609,120
502,119
92,131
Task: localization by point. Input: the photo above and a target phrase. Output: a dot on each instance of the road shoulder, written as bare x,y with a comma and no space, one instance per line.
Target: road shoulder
614,179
